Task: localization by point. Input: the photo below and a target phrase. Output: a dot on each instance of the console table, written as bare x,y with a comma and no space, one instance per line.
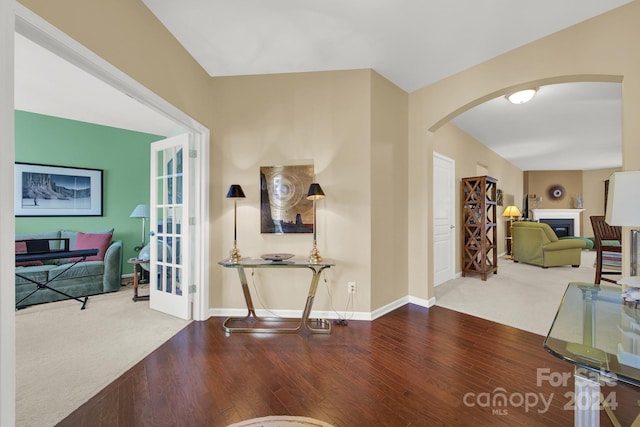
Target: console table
81,255
599,334
252,323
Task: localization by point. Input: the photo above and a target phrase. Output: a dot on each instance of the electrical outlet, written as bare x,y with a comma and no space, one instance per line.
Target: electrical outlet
351,287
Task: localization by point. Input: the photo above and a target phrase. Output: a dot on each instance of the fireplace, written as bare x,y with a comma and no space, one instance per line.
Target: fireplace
562,226
564,216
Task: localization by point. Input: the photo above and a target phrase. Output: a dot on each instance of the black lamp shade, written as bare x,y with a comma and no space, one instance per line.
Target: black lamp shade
235,192
315,192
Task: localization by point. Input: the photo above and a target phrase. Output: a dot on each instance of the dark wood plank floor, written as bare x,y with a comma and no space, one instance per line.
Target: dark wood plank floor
412,367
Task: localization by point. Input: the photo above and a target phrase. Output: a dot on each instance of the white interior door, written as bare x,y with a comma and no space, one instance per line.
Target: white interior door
171,230
444,217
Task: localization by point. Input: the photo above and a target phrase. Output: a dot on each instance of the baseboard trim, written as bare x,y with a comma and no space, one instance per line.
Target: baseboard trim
361,315
423,302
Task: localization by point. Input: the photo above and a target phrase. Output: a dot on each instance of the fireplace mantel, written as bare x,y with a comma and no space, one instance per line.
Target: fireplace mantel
574,214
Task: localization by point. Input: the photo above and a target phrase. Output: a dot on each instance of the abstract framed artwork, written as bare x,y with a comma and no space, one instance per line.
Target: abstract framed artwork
47,190
284,207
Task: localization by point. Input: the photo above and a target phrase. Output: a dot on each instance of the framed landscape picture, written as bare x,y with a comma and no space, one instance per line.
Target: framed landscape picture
46,190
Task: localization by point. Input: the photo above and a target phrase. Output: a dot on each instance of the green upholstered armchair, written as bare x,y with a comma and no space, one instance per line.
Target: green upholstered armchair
536,243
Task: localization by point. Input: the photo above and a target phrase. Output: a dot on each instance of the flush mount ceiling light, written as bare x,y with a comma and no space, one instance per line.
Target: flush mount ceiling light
522,96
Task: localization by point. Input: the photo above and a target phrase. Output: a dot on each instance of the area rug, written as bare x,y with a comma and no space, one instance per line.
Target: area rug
65,355
281,421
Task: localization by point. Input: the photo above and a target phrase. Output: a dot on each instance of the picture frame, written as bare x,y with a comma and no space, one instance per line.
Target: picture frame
284,207
48,190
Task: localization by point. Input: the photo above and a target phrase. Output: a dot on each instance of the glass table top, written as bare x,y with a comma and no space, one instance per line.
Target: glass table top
295,262
594,329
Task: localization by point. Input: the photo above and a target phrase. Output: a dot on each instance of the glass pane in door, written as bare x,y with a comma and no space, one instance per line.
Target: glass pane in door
169,213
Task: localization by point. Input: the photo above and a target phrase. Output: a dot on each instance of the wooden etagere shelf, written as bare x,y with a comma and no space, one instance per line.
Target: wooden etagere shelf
479,226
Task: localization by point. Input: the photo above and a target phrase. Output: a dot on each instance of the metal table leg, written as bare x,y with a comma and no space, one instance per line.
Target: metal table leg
252,323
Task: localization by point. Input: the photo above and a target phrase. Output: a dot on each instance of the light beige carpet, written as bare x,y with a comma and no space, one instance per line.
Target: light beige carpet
65,355
520,295
282,421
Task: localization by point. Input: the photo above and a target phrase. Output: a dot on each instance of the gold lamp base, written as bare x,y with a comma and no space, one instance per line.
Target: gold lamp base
234,256
314,257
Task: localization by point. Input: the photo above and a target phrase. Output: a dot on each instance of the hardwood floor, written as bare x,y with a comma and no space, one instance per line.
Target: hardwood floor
412,367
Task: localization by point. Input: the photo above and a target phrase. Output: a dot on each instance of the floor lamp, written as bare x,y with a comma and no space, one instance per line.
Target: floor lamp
315,193
623,208
141,211
511,212
235,192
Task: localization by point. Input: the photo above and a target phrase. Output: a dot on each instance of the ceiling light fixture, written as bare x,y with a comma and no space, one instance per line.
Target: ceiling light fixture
522,96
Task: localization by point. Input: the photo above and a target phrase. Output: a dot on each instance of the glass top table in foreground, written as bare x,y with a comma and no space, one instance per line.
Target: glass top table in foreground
253,323
599,334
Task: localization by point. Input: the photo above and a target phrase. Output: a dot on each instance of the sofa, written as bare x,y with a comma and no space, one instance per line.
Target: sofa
97,274
536,243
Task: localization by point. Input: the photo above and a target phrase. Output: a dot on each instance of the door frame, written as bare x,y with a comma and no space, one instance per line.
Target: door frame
43,33
7,219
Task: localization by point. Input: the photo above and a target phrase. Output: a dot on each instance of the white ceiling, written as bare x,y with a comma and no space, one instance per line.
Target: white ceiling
413,43
572,126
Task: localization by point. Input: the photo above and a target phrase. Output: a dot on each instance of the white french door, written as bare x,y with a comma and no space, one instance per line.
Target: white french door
171,231
444,217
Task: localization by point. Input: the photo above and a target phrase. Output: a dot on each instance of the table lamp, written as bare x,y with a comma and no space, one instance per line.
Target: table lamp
141,211
511,212
623,208
235,192
315,193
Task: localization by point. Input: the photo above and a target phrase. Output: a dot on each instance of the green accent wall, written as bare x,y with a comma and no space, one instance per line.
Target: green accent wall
123,156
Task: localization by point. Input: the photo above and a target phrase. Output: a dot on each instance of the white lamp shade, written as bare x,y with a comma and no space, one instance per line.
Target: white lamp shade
141,211
623,199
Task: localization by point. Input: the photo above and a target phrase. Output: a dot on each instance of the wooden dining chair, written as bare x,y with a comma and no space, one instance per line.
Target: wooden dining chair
608,241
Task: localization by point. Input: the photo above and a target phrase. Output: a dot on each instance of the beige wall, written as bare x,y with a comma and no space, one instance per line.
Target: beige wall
319,118
539,183
352,125
601,49
389,187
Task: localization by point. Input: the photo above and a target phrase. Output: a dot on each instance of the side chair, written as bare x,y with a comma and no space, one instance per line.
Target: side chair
608,240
